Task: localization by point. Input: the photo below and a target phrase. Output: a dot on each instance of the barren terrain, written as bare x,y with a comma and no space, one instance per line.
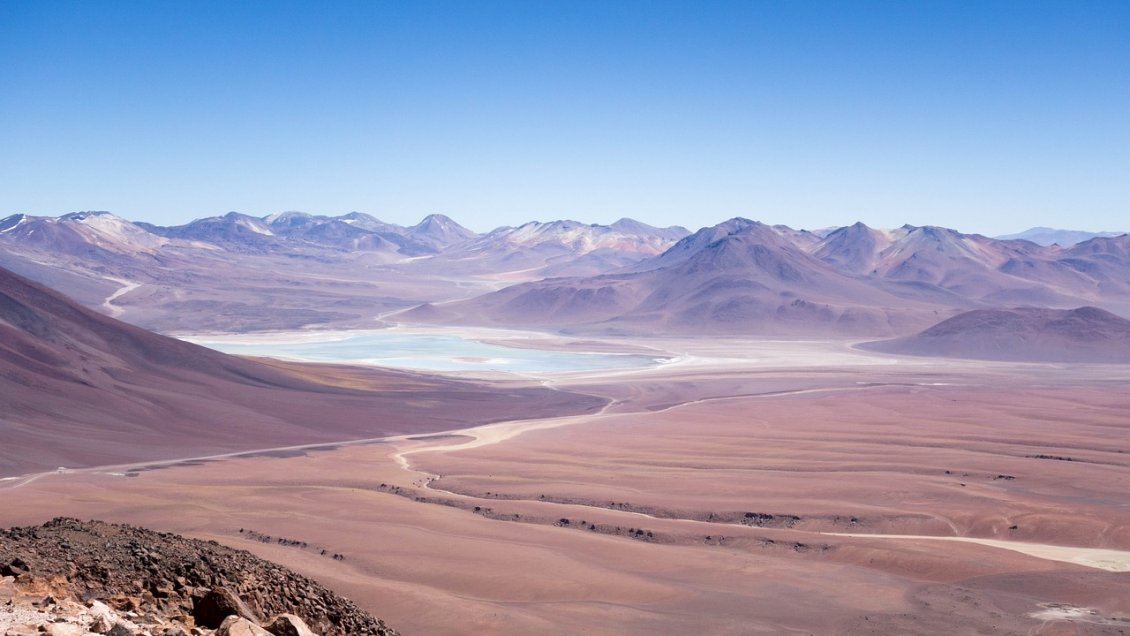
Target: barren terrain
78,388
712,495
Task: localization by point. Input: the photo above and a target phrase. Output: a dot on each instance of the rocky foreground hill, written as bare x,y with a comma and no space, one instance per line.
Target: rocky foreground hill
73,578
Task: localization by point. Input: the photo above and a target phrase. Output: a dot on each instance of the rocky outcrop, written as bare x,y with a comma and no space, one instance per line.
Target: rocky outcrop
72,577
217,605
239,626
288,625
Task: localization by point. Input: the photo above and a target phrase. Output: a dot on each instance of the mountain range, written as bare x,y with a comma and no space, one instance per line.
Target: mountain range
351,232
237,272
742,276
1052,236
557,248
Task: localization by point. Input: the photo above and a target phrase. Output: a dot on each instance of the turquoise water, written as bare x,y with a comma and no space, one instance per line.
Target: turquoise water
429,352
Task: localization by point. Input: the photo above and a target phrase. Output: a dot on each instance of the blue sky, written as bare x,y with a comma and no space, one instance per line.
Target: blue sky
985,116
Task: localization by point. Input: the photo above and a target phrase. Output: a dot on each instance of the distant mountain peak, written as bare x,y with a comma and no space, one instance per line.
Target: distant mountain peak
436,217
441,231
1041,235
271,219
715,239
629,224
852,248
738,224
632,226
86,214
10,223
359,216
81,232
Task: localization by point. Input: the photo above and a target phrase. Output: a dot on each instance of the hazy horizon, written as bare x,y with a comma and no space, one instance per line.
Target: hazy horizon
692,226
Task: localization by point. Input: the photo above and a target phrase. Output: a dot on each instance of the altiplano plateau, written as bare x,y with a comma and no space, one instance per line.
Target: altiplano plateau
749,486
612,472
511,318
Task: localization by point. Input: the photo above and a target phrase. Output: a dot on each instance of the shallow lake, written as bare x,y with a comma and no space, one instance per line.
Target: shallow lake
422,351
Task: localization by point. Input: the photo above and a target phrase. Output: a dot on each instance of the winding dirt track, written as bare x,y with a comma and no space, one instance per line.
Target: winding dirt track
1098,558
498,432
127,286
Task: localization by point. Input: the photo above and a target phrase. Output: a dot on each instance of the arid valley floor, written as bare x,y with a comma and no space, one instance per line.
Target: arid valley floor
534,318
728,491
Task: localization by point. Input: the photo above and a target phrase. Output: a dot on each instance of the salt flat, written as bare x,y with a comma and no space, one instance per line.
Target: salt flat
435,349
1110,560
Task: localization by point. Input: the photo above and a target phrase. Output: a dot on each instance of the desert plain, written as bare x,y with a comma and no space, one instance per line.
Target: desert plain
742,486
744,333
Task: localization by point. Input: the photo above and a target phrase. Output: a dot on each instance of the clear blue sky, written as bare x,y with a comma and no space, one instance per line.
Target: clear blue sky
985,116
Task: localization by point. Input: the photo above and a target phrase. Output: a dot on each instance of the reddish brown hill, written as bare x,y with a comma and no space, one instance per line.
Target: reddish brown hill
1087,334
78,388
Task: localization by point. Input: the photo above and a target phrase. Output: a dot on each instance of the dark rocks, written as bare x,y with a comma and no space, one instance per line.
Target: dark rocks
218,604
14,567
762,519
288,625
165,575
